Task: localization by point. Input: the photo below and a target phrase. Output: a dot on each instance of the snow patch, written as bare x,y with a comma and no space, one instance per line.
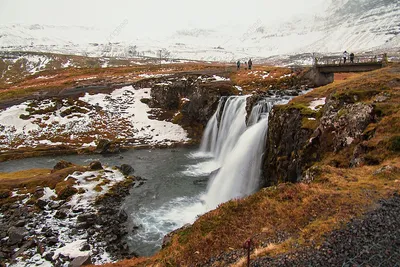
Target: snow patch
317,103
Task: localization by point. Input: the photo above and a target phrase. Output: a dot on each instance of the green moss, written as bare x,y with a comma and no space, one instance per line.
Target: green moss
355,95
342,112
177,118
184,235
394,144
306,123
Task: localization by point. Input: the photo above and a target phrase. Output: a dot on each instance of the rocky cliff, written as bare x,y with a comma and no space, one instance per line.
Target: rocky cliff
190,99
344,131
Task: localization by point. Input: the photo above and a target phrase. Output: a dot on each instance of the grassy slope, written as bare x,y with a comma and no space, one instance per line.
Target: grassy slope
74,77
285,217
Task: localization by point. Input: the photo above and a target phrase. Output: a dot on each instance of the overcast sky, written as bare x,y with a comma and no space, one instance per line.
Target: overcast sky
155,17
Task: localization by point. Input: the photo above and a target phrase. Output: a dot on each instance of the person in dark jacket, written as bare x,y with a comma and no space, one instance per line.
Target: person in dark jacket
352,58
250,63
238,65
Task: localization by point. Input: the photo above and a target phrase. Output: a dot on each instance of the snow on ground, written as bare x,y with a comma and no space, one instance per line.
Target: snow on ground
146,76
238,88
218,78
317,103
90,185
34,63
46,77
88,119
126,102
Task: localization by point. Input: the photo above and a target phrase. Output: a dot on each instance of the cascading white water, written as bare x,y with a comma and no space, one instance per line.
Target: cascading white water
262,107
239,176
237,149
236,152
220,140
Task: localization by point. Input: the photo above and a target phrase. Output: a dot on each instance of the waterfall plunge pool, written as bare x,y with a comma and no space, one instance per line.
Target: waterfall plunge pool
176,190
169,198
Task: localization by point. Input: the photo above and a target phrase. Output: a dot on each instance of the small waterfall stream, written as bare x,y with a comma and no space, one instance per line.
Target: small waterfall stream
237,149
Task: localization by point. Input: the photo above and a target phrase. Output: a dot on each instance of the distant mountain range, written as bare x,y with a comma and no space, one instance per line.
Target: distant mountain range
352,25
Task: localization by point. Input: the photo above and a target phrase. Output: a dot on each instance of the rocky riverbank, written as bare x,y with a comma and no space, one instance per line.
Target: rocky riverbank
78,221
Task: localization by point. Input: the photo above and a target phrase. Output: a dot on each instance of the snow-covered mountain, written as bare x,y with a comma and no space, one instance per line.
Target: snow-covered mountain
352,25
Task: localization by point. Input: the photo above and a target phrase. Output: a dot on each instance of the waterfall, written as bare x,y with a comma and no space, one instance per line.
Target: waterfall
262,108
238,149
220,139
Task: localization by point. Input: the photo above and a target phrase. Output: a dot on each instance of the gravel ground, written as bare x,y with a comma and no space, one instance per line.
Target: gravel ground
373,240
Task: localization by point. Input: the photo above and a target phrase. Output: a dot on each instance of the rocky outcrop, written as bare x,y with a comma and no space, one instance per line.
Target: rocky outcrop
285,158
190,99
294,143
105,146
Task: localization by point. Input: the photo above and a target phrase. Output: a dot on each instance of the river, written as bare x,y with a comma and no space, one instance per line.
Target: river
177,189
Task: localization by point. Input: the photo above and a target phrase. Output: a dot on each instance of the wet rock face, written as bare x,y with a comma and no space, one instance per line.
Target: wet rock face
196,96
285,161
105,146
292,148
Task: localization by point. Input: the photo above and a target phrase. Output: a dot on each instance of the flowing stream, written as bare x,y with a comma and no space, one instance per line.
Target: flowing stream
184,183
230,156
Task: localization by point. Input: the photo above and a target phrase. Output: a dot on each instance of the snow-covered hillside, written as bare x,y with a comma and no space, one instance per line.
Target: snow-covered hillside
353,25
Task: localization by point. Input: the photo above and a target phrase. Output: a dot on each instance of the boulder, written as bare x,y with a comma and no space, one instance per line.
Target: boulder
95,165
4,193
126,169
66,192
61,214
20,223
80,261
52,241
105,146
16,235
41,204
62,165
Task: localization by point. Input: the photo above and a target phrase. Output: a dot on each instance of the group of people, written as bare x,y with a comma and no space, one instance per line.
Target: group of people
346,55
249,64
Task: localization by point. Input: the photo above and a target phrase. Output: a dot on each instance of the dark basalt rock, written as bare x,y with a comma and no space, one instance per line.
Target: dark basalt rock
95,165
61,214
41,203
16,235
80,261
292,147
62,165
126,169
105,146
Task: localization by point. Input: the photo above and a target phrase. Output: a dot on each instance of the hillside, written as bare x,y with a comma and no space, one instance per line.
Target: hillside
348,167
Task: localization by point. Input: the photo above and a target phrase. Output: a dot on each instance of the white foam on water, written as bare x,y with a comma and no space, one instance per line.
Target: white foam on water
201,168
155,224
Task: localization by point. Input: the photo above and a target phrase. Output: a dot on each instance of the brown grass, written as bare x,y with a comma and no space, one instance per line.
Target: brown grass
36,177
73,77
289,216
304,212
251,81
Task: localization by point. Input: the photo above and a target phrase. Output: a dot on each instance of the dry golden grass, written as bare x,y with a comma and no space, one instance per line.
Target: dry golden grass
35,177
251,80
301,213
304,212
73,77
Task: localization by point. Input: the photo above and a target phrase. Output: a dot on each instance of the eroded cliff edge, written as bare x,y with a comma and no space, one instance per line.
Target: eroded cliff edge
347,124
